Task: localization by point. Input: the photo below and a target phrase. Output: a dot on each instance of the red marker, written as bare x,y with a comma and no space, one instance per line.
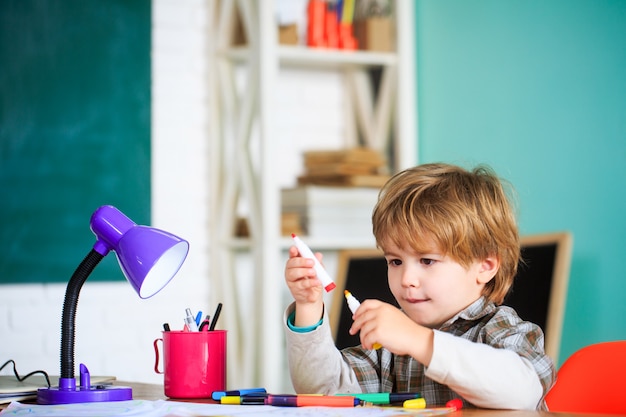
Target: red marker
311,401
322,275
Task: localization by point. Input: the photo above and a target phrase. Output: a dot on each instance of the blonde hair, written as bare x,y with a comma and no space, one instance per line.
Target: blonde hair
466,213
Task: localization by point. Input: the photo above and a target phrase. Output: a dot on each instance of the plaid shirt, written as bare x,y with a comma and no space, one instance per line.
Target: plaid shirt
481,322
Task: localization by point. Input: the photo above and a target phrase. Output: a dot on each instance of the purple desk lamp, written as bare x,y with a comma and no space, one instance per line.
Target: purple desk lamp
149,259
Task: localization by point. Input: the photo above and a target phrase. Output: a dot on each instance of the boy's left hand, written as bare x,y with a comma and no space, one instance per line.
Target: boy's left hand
383,323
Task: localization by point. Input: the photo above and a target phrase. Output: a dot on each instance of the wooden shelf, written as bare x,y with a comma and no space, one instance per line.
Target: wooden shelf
316,244
246,80
300,56
333,58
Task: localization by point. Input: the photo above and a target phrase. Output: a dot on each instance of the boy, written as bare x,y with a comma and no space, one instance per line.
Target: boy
451,243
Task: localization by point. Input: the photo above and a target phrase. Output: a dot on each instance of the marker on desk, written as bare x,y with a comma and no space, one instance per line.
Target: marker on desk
190,321
243,399
322,275
217,395
415,403
452,405
384,398
354,304
312,400
455,403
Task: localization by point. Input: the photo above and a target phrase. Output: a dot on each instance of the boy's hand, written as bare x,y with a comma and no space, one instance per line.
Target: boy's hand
383,323
305,288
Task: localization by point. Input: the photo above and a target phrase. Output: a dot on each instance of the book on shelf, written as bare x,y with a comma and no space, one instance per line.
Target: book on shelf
358,155
329,227
373,181
354,167
291,222
339,169
338,213
355,229
322,195
325,211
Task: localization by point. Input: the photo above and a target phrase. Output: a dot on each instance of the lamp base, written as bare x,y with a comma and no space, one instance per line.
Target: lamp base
95,393
68,393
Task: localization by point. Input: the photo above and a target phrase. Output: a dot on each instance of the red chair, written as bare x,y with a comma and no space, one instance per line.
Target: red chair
592,380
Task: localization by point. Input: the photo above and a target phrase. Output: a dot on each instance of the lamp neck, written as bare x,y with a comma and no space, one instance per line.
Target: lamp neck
68,324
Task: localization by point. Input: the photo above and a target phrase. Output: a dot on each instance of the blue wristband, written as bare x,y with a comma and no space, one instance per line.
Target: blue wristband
297,329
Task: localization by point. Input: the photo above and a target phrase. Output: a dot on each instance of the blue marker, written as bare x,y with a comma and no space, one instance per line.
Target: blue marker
217,395
198,318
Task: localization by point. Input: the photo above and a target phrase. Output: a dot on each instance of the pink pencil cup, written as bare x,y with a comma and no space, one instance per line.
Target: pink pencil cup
194,363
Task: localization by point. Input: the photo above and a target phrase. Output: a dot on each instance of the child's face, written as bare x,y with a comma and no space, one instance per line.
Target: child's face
432,288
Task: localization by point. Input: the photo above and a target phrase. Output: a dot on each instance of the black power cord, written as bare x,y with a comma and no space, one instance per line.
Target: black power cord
22,378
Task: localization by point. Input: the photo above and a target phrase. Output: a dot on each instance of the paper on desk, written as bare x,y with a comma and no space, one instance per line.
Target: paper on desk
162,408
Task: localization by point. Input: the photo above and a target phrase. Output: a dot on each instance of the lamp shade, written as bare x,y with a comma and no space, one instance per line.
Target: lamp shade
148,257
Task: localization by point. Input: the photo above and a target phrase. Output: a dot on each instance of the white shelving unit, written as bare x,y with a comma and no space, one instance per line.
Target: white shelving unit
244,157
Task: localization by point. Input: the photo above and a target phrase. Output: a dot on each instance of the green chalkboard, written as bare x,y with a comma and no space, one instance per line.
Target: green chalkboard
74,130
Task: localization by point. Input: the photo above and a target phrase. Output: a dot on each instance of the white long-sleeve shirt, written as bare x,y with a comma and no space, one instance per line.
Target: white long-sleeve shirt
485,355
